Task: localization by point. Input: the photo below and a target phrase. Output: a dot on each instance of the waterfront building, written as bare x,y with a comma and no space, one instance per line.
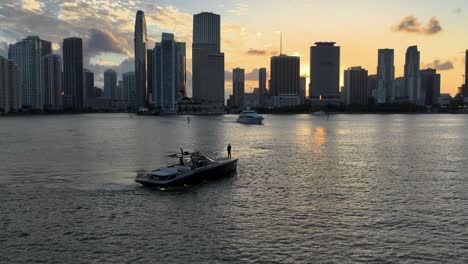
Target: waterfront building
430,87
10,94
52,82
110,84
238,86
372,82
27,55
149,73
129,87
356,86
302,89
141,63
412,76
324,73
262,82
73,73
400,93
88,80
208,62
385,75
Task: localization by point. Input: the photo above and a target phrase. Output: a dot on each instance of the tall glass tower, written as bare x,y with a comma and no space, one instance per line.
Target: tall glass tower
141,63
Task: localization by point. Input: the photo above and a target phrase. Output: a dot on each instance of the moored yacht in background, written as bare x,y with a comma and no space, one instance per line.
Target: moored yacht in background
250,117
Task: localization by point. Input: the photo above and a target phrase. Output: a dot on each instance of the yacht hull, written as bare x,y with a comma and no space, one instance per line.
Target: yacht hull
250,121
196,176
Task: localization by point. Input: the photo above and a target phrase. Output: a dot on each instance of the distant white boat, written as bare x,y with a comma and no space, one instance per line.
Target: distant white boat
250,117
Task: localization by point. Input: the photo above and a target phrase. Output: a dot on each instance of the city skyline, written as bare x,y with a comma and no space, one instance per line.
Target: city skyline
249,35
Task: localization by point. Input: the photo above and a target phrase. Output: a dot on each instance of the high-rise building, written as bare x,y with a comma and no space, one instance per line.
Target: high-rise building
285,75
399,89
169,72
129,87
73,73
120,90
208,62
372,83
412,76
385,75
430,87
10,100
88,80
149,73
238,86
181,69
167,99
141,64
356,86
285,80
46,48
466,69
324,71
302,89
207,30
52,82
27,54
110,84
262,80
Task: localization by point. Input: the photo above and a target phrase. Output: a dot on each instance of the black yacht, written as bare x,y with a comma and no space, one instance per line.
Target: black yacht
193,168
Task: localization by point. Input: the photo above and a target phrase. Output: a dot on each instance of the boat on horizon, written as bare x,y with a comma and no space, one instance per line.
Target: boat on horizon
250,117
192,168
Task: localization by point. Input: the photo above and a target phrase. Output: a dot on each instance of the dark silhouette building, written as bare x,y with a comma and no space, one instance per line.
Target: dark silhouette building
150,75
356,86
73,73
324,71
141,63
238,86
430,87
208,62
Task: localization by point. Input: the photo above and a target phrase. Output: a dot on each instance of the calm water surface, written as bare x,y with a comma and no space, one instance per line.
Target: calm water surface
354,189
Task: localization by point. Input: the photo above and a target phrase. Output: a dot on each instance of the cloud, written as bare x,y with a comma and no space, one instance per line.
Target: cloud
252,76
256,52
240,10
411,24
98,41
457,11
441,66
32,5
3,49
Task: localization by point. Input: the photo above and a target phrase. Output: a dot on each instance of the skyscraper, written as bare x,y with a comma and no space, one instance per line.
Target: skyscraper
207,30
169,72
324,71
149,73
141,70
73,73
129,87
399,88
52,82
181,69
412,77
356,86
466,69
285,75
238,86
89,84
262,79
430,87
10,100
27,54
372,81
302,89
385,75
284,81
208,62
110,84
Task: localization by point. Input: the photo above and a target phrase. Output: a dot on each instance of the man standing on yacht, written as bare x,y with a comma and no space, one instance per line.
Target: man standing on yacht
229,150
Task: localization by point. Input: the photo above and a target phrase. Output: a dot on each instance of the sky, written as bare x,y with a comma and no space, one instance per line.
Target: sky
250,31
